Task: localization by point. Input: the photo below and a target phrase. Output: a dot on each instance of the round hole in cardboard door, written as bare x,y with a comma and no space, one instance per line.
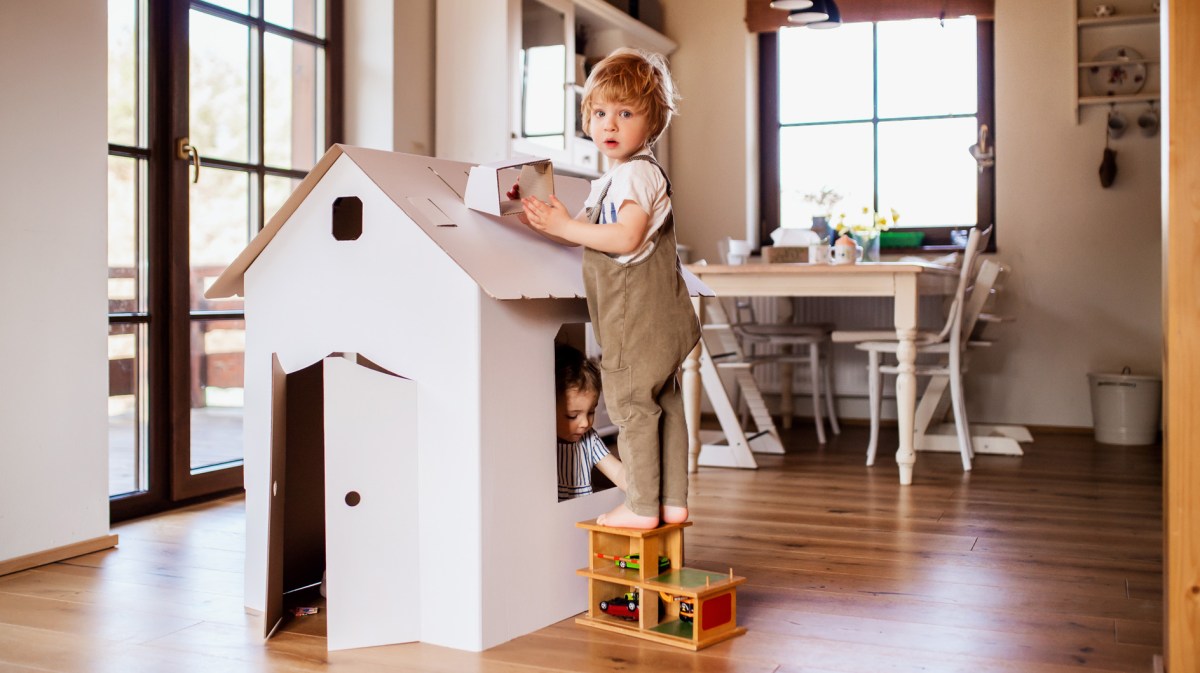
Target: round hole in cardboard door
353,498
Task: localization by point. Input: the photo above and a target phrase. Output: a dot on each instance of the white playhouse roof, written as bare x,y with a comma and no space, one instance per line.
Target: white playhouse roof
504,257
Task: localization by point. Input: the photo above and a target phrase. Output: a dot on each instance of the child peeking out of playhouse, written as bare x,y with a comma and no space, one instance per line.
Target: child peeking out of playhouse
636,295
577,388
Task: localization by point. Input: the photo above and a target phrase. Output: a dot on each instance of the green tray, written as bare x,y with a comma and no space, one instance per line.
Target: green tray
901,239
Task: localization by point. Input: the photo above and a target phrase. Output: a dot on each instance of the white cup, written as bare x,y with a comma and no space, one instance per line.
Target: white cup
818,254
739,251
845,253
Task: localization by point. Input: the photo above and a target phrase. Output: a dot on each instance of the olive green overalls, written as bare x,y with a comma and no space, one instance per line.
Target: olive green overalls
646,326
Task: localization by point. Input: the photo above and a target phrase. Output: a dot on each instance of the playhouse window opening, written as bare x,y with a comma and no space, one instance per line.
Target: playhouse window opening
347,218
579,444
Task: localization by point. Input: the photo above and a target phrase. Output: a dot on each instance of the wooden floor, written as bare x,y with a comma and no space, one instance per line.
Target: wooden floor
1051,563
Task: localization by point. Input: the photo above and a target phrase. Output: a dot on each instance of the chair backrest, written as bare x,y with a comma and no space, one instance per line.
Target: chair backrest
742,312
966,275
981,290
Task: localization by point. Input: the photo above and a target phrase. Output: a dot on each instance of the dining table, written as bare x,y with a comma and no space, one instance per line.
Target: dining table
904,282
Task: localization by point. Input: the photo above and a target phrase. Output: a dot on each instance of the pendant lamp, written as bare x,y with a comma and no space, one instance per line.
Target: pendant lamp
791,4
804,17
823,13
833,16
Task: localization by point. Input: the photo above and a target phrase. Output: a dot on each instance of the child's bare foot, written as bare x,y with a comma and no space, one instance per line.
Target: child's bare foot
671,514
623,517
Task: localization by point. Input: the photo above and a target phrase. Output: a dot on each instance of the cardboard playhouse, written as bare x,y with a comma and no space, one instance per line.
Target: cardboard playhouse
399,409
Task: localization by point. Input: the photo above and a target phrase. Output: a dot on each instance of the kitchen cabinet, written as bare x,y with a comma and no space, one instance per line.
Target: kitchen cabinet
511,73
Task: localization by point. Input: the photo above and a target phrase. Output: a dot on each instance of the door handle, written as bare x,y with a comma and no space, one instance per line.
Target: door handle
186,151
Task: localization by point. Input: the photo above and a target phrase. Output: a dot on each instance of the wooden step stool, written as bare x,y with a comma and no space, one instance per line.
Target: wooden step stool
614,572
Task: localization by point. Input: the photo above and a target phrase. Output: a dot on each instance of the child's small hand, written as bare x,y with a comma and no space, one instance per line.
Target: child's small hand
545,217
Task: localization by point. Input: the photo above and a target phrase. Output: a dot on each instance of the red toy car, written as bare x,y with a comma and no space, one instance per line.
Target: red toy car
625,607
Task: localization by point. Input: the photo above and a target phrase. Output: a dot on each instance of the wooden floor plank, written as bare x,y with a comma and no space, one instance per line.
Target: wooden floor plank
1046,563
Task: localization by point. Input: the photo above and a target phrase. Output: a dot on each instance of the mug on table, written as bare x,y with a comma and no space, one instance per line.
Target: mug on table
819,253
847,251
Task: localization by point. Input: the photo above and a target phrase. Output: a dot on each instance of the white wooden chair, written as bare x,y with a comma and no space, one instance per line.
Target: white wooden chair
801,344
974,287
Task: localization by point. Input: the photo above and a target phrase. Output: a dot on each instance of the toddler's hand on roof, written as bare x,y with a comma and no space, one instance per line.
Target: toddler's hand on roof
545,217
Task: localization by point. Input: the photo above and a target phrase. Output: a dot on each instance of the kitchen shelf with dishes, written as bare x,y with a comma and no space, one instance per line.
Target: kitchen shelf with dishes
637,586
1116,54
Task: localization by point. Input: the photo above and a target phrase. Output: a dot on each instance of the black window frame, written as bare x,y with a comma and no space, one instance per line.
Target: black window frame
166,315
936,238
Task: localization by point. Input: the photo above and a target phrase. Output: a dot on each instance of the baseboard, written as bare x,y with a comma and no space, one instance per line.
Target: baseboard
57,554
891,423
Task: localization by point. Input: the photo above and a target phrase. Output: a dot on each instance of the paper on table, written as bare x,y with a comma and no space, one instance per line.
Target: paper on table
794,237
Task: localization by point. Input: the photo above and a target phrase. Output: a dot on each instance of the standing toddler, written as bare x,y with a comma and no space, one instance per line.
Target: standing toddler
637,299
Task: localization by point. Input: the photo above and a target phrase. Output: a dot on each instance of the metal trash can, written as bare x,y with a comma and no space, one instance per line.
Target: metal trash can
1125,407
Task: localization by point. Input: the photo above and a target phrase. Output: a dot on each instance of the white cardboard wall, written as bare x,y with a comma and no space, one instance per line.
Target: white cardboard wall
309,295
531,545
483,367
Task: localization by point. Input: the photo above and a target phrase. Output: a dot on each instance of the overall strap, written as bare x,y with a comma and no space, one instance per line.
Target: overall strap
595,211
651,159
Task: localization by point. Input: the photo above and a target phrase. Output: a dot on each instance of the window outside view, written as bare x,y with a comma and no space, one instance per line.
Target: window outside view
882,114
238,74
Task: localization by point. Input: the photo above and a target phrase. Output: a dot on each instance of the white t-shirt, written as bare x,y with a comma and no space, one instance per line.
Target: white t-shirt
643,183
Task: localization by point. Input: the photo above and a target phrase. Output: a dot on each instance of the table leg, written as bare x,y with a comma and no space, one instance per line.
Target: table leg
906,380
787,401
691,395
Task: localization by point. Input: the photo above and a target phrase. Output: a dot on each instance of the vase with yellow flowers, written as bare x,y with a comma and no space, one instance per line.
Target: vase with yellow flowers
864,227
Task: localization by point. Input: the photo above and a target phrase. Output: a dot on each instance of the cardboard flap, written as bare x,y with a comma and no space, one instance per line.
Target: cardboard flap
488,184
695,286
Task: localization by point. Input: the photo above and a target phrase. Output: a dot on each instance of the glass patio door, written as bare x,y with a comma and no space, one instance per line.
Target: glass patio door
229,112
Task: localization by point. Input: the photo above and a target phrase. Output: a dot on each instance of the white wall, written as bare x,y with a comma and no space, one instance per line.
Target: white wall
389,75
1085,260
715,70
370,91
414,66
53,348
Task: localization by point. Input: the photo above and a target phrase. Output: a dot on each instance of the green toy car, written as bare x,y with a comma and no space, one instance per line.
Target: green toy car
634,561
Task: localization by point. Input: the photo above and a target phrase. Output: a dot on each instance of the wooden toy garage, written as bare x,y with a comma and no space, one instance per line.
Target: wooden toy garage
638,586
399,406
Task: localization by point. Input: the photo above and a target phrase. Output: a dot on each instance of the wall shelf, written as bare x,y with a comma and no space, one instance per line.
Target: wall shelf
1118,20
1117,100
1134,26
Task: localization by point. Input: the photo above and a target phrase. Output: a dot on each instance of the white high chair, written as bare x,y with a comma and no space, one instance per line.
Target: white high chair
801,344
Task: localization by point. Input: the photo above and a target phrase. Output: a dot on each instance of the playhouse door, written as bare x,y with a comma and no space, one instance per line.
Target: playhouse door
370,506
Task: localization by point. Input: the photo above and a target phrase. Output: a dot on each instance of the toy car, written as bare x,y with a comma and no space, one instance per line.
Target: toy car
634,561
625,607
685,610
686,606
